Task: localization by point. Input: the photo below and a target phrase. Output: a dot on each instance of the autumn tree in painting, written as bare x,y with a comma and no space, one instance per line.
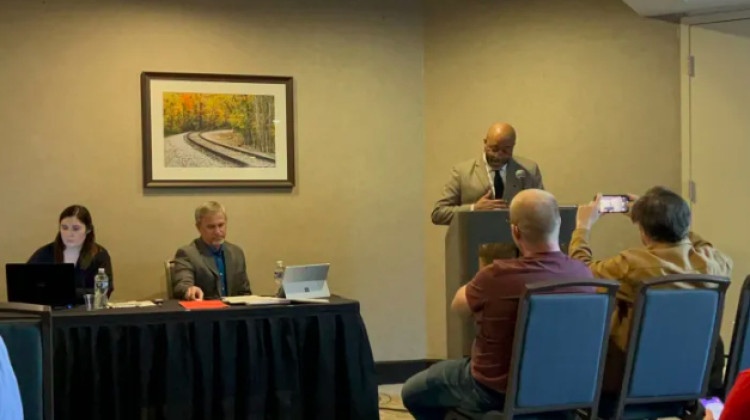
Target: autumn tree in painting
249,116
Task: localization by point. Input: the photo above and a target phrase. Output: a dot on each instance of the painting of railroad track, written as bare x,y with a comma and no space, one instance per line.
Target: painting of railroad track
209,130
213,130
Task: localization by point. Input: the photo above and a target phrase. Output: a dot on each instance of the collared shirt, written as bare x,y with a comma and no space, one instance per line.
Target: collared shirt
491,174
10,397
218,254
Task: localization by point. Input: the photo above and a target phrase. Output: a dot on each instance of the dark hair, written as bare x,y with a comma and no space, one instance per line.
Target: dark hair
89,248
663,215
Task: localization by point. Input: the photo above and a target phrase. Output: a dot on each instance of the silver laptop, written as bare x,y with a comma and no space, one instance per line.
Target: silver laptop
306,281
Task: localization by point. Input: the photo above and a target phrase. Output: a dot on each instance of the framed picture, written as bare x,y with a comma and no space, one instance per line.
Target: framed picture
212,130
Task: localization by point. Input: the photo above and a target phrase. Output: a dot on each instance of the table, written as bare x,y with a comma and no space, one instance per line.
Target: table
299,361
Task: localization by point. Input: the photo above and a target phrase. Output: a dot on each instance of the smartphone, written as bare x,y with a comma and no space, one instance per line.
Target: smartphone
714,405
614,204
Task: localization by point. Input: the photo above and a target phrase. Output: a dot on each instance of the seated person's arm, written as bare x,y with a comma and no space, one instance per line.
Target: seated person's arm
472,296
613,268
183,278
460,305
41,256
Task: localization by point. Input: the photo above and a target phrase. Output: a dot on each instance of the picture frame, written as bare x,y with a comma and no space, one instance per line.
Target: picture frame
216,130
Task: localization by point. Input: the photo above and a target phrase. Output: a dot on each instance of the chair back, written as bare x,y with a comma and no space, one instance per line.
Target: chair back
26,331
739,353
168,268
559,348
675,328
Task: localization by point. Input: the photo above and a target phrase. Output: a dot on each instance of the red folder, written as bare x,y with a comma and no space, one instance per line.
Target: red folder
192,305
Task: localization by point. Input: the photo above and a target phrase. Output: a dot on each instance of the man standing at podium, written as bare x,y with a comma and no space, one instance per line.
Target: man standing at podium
489,182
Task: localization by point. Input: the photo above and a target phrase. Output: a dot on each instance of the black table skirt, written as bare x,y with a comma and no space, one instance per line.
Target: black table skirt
282,362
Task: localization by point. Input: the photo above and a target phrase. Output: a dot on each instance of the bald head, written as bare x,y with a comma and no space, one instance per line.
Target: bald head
499,144
537,216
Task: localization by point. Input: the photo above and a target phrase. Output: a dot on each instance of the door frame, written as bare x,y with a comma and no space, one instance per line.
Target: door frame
685,92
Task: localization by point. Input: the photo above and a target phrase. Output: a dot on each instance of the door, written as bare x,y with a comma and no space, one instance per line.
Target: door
719,151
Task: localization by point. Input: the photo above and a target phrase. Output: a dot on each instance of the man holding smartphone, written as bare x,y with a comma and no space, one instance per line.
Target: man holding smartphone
663,219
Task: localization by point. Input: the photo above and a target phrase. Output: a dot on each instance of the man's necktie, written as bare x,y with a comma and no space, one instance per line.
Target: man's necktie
499,186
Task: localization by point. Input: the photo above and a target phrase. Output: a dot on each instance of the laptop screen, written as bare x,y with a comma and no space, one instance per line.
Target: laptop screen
41,284
306,281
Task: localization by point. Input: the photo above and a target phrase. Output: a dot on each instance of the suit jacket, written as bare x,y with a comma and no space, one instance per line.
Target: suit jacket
194,265
469,182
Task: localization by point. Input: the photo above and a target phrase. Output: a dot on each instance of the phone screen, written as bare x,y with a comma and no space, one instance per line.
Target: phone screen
714,405
613,204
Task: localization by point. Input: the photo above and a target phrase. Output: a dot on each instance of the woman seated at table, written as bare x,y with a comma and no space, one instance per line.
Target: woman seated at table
76,243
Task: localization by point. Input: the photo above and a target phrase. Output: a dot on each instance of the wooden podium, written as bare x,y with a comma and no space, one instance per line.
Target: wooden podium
468,231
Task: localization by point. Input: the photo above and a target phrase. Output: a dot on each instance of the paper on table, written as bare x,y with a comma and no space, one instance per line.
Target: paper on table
255,300
131,304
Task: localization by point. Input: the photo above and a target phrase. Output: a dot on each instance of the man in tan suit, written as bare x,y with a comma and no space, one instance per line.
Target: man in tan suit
663,219
489,182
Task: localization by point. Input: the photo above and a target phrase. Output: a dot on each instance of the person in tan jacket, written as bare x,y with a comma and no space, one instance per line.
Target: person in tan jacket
663,219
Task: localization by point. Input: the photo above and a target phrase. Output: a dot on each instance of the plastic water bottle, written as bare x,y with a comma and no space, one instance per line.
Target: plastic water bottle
101,287
278,275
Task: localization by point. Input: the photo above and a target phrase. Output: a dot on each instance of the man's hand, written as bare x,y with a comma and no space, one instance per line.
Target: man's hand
487,203
709,415
194,293
588,214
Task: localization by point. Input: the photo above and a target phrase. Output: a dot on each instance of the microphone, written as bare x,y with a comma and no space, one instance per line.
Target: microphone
520,174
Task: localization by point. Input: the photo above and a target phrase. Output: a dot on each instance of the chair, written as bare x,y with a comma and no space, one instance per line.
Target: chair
168,267
559,347
26,330
671,346
739,353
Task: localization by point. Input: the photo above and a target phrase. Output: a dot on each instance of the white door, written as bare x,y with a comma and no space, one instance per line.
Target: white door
719,151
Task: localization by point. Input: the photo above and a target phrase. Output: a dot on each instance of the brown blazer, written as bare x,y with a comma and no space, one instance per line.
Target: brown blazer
632,266
469,182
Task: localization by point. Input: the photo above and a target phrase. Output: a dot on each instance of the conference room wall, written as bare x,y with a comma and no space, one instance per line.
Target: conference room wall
71,133
592,88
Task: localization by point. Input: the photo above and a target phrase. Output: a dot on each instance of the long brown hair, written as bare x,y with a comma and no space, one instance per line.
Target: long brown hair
89,248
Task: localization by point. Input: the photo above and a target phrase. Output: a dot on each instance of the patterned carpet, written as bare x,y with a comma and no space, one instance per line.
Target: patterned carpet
391,407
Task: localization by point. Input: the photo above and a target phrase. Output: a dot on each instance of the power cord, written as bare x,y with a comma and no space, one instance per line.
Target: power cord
387,399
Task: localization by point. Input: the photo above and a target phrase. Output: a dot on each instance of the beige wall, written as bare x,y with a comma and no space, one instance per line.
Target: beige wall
383,109
70,121
592,88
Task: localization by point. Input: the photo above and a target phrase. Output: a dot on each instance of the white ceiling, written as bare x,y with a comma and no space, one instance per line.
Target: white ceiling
685,7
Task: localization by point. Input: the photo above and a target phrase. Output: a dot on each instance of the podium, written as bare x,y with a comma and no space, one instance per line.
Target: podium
468,231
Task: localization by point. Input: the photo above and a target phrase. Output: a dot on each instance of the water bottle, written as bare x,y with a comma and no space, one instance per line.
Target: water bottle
101,287
278,275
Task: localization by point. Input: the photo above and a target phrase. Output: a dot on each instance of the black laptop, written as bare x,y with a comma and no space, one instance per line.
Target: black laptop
42,284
